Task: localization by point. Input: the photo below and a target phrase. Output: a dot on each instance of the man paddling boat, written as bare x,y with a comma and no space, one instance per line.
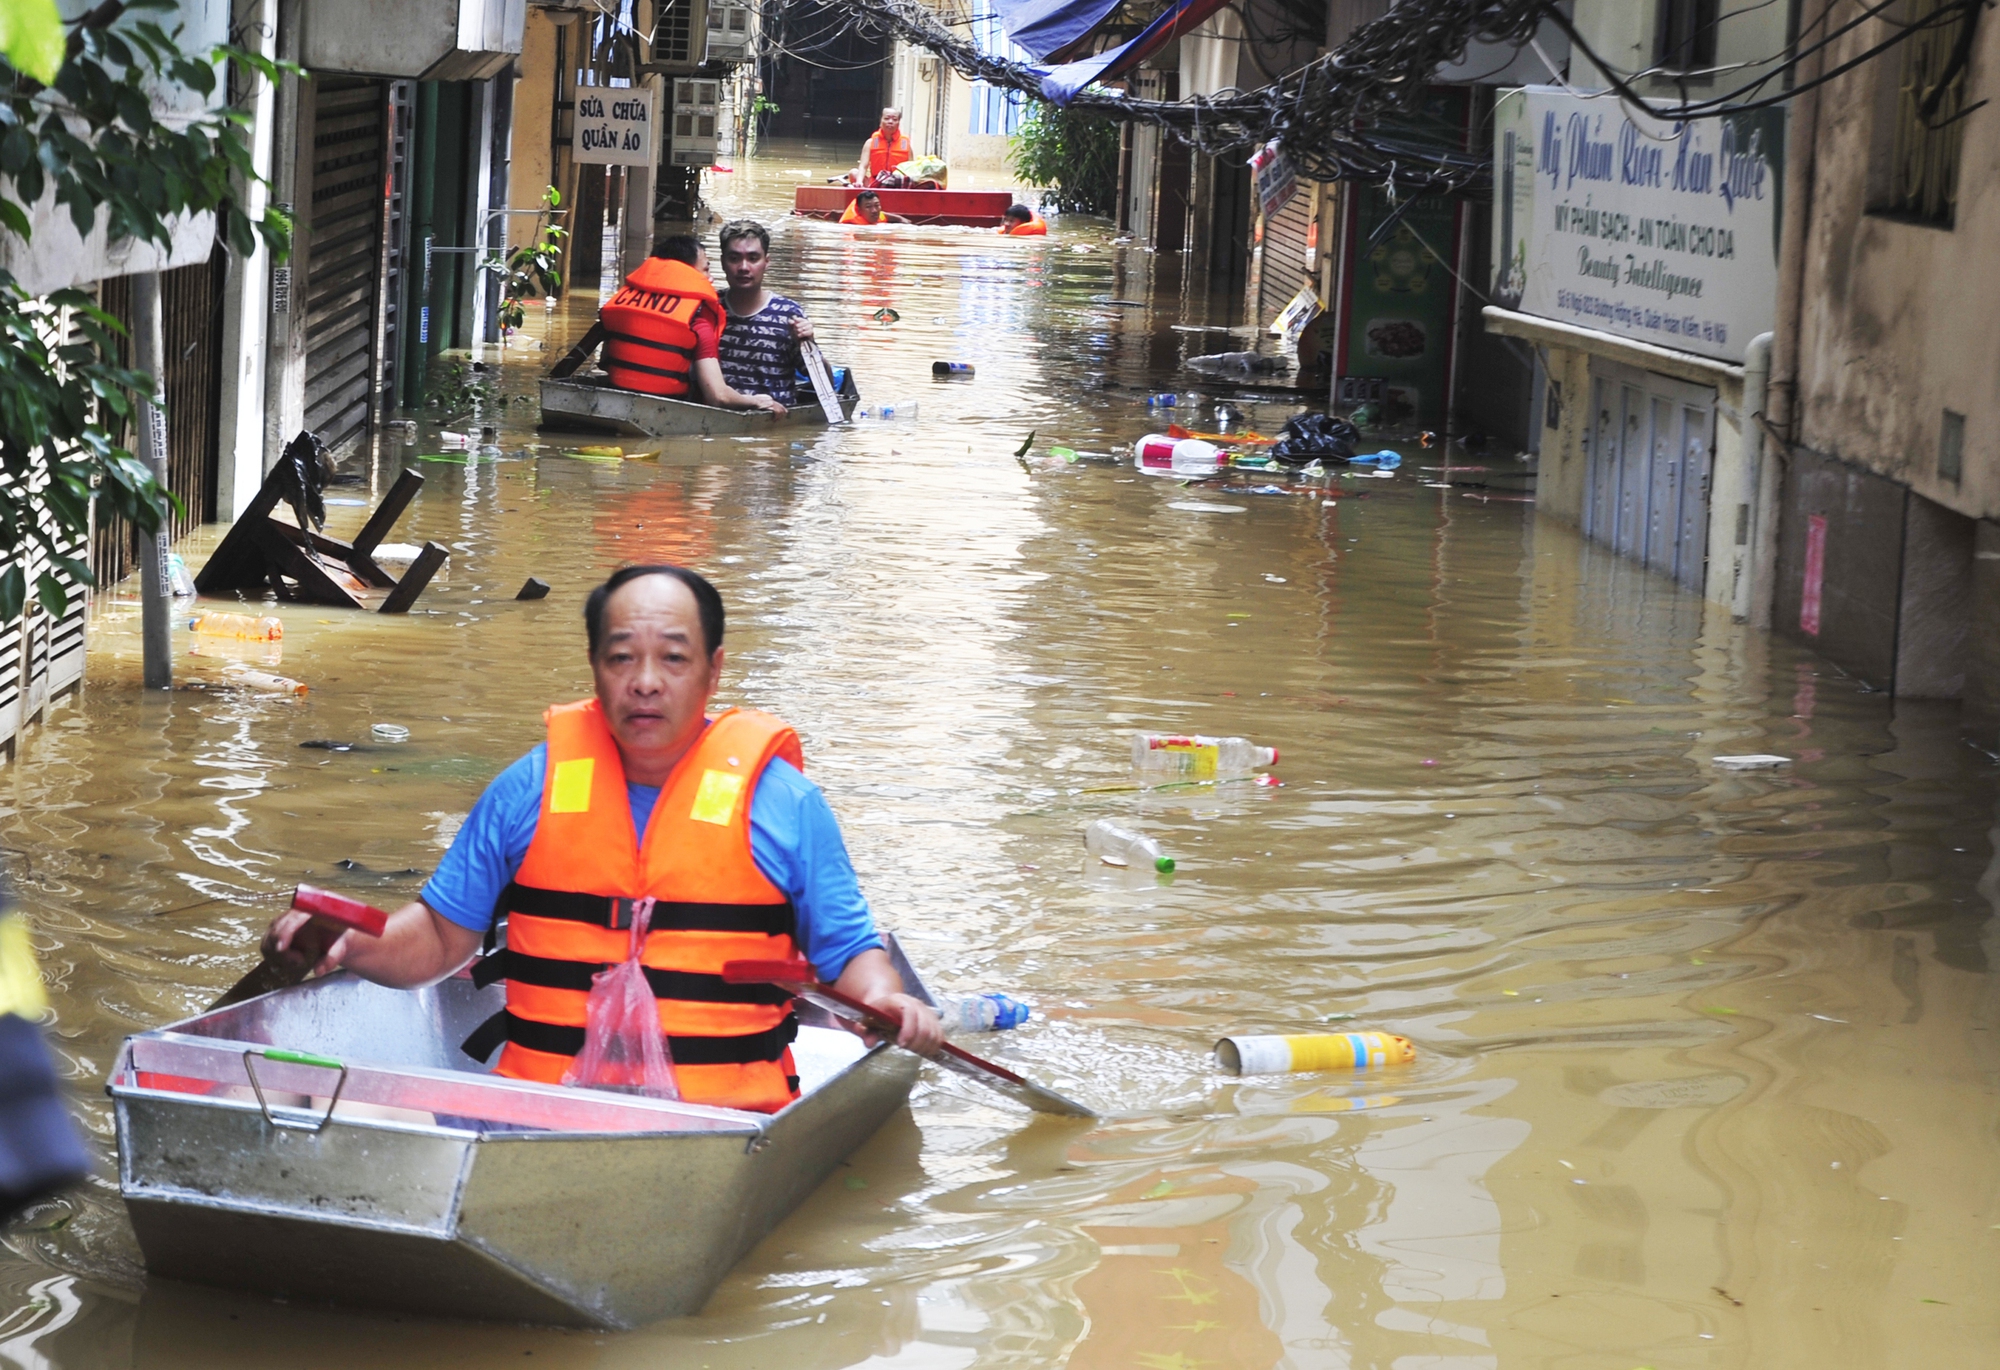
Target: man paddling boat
662,331
638,795
759,350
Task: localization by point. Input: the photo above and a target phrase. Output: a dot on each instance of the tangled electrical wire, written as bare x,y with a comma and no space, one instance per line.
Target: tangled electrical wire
1354,113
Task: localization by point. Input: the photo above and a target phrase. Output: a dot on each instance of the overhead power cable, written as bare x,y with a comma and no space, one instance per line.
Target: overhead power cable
1355,113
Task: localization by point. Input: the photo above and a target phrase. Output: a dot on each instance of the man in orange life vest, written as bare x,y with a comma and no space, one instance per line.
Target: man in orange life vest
638,795
885,150
866,208
663,327
1021,222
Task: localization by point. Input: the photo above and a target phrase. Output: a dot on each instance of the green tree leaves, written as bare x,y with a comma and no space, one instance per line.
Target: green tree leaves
1070,152
31,38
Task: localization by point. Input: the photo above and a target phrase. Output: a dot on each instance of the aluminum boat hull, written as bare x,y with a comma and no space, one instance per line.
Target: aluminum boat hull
589,403
606,1212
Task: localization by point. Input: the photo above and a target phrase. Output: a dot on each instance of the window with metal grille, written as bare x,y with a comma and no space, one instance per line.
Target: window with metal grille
1919,118
1684,35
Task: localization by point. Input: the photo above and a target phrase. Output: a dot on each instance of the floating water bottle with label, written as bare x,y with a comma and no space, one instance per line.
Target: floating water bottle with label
981,1012
1177,756
1193,457
213,624
950,369
1116,846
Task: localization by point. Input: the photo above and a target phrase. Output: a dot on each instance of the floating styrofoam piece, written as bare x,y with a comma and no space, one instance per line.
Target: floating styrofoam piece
1755,761
1194,508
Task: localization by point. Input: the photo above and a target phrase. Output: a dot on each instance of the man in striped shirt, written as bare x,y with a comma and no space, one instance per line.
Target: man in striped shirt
759,347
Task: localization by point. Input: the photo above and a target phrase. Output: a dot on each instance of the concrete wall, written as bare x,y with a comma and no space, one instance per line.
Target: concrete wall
1899,323
531,155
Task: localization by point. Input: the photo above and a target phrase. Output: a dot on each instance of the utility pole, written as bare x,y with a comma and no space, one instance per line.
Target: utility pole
155,587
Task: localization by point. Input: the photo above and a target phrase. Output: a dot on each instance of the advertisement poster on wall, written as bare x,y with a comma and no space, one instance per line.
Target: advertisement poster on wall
1659,232
1399,304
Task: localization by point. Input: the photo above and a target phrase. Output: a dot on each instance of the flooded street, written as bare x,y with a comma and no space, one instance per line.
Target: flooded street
1707,1069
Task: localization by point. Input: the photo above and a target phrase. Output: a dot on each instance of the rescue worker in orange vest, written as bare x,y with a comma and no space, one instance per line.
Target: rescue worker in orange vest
663,327
885,150
866,208
638,795
1021,222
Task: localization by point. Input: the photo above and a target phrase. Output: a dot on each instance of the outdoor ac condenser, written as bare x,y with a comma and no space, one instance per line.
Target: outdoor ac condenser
692,134
729,31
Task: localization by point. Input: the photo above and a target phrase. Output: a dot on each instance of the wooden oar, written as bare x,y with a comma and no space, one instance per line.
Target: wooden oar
799,978
332,915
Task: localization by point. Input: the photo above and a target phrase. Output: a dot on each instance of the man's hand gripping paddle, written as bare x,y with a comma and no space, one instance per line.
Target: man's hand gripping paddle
798,977
332,915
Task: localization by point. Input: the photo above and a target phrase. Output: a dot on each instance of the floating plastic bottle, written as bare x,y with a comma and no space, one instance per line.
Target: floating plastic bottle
981,1012
1355,1051
1193,457
1116,846
1169,400
886,412
244,626
1189,757
264,680
949,369
179,581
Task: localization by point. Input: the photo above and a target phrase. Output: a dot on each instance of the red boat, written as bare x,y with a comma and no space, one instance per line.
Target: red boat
976,208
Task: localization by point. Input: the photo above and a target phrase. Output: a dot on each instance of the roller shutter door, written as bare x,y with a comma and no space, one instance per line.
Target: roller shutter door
344,246
1284,267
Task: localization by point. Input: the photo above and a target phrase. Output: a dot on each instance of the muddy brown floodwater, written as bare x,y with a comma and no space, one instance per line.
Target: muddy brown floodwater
1707,1069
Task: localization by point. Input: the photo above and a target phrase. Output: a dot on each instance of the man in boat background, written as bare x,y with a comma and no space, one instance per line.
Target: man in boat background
759,352
662,331
885,150
637,794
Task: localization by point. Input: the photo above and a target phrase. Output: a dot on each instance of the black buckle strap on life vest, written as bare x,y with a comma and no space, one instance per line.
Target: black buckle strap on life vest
486,1038
555,1040
688,985
772,920
686,353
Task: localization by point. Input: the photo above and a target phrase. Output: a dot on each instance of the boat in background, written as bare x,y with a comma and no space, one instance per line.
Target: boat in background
330,1142
974,208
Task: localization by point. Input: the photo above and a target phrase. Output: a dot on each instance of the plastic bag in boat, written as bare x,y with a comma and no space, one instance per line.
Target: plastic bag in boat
624,1048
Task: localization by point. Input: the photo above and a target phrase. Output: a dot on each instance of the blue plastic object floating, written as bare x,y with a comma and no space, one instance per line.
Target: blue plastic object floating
1385,459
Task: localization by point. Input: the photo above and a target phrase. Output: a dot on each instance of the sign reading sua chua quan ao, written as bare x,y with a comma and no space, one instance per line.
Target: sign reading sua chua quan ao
1660,232
614,125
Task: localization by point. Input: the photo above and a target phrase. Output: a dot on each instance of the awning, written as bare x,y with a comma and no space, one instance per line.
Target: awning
1047,28
1062,84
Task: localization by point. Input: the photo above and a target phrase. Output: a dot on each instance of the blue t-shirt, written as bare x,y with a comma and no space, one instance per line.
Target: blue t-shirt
793,839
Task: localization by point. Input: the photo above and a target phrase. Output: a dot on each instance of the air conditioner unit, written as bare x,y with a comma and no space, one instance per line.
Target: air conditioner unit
692,134
680,41
730,29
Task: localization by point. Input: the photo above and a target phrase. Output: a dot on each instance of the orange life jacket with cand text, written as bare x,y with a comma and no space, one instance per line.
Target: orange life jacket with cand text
569,912
649,340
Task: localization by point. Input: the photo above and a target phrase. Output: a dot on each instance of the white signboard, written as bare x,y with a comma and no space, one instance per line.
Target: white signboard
614,125
1277,179
1664,233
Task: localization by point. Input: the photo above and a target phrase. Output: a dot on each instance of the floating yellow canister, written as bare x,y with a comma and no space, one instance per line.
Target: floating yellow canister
1355,1051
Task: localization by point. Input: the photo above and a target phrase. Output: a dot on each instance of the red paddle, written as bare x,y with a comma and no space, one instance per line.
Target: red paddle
800,979
332,915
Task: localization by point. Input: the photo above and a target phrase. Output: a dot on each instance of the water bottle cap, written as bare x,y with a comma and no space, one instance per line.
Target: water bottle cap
1164,865
1274,756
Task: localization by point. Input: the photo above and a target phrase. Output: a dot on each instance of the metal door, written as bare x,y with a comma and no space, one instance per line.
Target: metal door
344,254
1647,470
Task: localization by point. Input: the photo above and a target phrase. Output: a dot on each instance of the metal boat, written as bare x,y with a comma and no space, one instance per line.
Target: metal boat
975,208
331,1142
590,403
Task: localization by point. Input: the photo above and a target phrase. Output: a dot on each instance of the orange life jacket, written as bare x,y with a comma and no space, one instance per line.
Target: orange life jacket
648,335
886,156
1033,228
852,215
569,911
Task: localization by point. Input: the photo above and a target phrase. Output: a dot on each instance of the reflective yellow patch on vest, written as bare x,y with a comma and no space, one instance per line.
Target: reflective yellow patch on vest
715,801
571,791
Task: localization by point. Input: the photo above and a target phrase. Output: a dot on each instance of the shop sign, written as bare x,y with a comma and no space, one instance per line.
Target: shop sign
614,125
1660,232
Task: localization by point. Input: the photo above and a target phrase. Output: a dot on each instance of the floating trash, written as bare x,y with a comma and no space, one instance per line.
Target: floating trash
1319,1051
390,732
1754,761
